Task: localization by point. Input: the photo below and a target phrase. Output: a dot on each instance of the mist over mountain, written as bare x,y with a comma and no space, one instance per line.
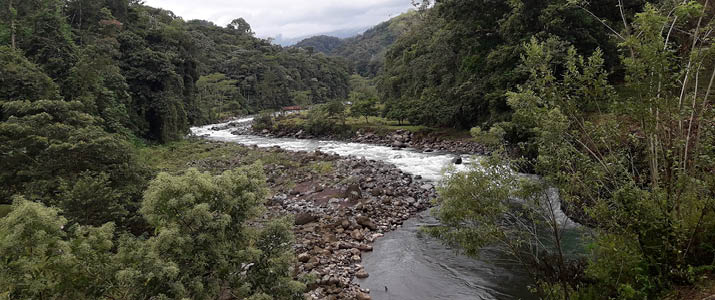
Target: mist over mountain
341,33
366,51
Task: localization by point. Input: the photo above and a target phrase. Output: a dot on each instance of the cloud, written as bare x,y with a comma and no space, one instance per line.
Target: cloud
291,19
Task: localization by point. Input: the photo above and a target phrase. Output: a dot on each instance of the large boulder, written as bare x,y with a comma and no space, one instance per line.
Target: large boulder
353,192
305,218
366,222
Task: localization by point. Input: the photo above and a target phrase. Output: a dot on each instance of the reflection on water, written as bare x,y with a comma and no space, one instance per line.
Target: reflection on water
410,265
407,264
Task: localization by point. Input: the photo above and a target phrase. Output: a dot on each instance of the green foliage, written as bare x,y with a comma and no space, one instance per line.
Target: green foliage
216,95
364,108
326,119
454,66
90,200
334,110
634,165
43,35
492,206
195,214
268,76
97,82
302,98
146,72
157,89
48,144
321,43
20,79
263,121
365,52
41,260
202,246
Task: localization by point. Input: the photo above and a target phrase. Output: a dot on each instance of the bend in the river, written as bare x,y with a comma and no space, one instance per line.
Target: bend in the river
405,264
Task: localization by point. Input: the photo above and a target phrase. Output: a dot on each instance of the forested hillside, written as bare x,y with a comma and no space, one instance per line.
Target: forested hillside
607,103
365,52
86,84
141,68
454,66
321,43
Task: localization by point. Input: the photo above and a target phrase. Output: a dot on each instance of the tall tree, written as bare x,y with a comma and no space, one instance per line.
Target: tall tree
47,144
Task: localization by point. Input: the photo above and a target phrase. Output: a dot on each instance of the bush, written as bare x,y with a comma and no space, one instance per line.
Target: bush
319,124
201,247
327,119
263,121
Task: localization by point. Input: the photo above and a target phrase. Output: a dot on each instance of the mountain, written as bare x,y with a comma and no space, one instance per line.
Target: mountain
322,43
341,34
365,52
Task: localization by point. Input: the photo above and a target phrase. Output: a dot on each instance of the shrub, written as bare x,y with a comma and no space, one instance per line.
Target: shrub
263,121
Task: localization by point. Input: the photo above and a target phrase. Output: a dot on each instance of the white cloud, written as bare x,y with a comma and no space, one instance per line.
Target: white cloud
271,18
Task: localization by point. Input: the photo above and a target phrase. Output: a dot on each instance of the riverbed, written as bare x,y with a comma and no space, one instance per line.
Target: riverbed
406,264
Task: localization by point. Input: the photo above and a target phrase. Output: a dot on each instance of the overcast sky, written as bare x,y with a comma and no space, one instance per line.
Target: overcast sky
289,18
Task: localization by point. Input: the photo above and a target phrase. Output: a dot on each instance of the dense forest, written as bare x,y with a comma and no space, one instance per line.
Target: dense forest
365,52
83,85
454,67
149,71
609,103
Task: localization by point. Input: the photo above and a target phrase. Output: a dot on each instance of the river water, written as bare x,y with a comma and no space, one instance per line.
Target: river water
406,264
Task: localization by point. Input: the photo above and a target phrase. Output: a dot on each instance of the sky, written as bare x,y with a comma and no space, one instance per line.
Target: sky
289,19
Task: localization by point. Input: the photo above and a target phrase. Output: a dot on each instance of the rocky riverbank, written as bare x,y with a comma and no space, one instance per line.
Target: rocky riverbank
398,139
340,205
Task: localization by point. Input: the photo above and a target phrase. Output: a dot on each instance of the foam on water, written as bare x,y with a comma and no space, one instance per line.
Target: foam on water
428,165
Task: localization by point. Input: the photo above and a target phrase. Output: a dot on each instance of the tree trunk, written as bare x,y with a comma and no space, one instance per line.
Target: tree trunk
12,24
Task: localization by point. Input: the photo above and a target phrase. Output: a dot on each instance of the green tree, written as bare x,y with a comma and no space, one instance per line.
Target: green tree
195,214
48,144
365,108
302,98
41,260
241,26
20,79
478,209
458,60
43,35
98,83
214,91
202,246
634,165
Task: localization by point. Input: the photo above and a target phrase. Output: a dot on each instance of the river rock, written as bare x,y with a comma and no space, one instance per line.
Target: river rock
362,296
303,257
366,248
357,235
353,192
366,222
304,218
457,160
331,238
362,274
345,224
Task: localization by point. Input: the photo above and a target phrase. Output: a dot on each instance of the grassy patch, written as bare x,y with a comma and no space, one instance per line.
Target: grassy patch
322,167
207,156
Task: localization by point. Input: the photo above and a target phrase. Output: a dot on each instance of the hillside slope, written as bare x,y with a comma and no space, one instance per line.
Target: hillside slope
365,52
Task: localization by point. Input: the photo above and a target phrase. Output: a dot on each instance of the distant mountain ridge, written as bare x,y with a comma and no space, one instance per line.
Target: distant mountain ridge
365,52
341,34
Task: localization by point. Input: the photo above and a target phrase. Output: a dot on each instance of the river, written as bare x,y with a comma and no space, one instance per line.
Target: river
406,264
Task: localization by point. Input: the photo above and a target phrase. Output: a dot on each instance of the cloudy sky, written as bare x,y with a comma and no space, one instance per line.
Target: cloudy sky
289,18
